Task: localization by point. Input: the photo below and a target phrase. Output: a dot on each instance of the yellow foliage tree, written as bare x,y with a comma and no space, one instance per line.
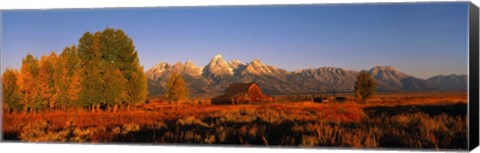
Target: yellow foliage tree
74,88
103,68
11,91
115,92
46,81
176,88
28,82
68,78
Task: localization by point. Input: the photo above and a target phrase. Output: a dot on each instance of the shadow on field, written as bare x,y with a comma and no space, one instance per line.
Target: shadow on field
410,126
421,126
256,133
458,109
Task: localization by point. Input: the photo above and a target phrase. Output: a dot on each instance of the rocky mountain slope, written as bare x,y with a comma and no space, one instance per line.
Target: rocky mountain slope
218,74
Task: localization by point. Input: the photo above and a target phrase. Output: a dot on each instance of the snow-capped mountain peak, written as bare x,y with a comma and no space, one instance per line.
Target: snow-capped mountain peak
387,72
234,64
156,71
217,66
217,74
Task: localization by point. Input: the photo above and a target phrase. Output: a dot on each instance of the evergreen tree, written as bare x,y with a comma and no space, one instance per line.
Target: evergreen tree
11,91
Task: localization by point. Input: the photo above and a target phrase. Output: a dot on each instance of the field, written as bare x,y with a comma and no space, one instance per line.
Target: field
395,120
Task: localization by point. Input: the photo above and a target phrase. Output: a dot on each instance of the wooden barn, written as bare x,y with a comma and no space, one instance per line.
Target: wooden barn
242,93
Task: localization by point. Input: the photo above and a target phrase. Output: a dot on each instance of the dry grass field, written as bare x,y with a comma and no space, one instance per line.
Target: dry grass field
401,120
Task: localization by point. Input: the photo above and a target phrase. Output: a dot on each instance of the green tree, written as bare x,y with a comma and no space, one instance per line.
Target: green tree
67,76
126,59
176,88
115,92
136,85
103,54
365,87
91,93
11,92
28,82
103,68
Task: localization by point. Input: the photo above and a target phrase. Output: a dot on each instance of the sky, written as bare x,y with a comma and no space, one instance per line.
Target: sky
419,39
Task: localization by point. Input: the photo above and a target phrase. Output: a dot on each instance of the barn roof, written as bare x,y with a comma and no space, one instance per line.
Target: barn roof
235,89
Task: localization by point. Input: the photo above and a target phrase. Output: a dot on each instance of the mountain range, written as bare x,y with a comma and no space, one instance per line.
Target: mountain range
215,77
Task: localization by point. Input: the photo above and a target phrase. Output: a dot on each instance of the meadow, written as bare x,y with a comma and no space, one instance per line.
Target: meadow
388,120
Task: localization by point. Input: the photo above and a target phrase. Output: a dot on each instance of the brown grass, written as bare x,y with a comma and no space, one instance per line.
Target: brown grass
304,124
149,114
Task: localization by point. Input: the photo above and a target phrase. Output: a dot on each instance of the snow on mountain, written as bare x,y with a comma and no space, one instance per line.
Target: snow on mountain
217,67
158,70
234,64
218,74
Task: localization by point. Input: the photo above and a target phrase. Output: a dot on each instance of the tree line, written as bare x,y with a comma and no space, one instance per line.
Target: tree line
102,71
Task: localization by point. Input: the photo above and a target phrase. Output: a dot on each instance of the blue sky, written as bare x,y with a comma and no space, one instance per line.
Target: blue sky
420,39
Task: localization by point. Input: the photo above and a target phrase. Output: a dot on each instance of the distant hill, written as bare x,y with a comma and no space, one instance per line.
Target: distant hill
449,82
218,74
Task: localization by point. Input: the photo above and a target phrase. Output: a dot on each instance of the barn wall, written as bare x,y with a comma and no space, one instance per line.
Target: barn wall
255,93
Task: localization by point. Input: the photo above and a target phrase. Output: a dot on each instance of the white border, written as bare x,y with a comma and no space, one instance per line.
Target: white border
55,4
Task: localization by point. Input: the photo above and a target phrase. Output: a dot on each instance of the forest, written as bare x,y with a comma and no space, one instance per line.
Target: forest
101,72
